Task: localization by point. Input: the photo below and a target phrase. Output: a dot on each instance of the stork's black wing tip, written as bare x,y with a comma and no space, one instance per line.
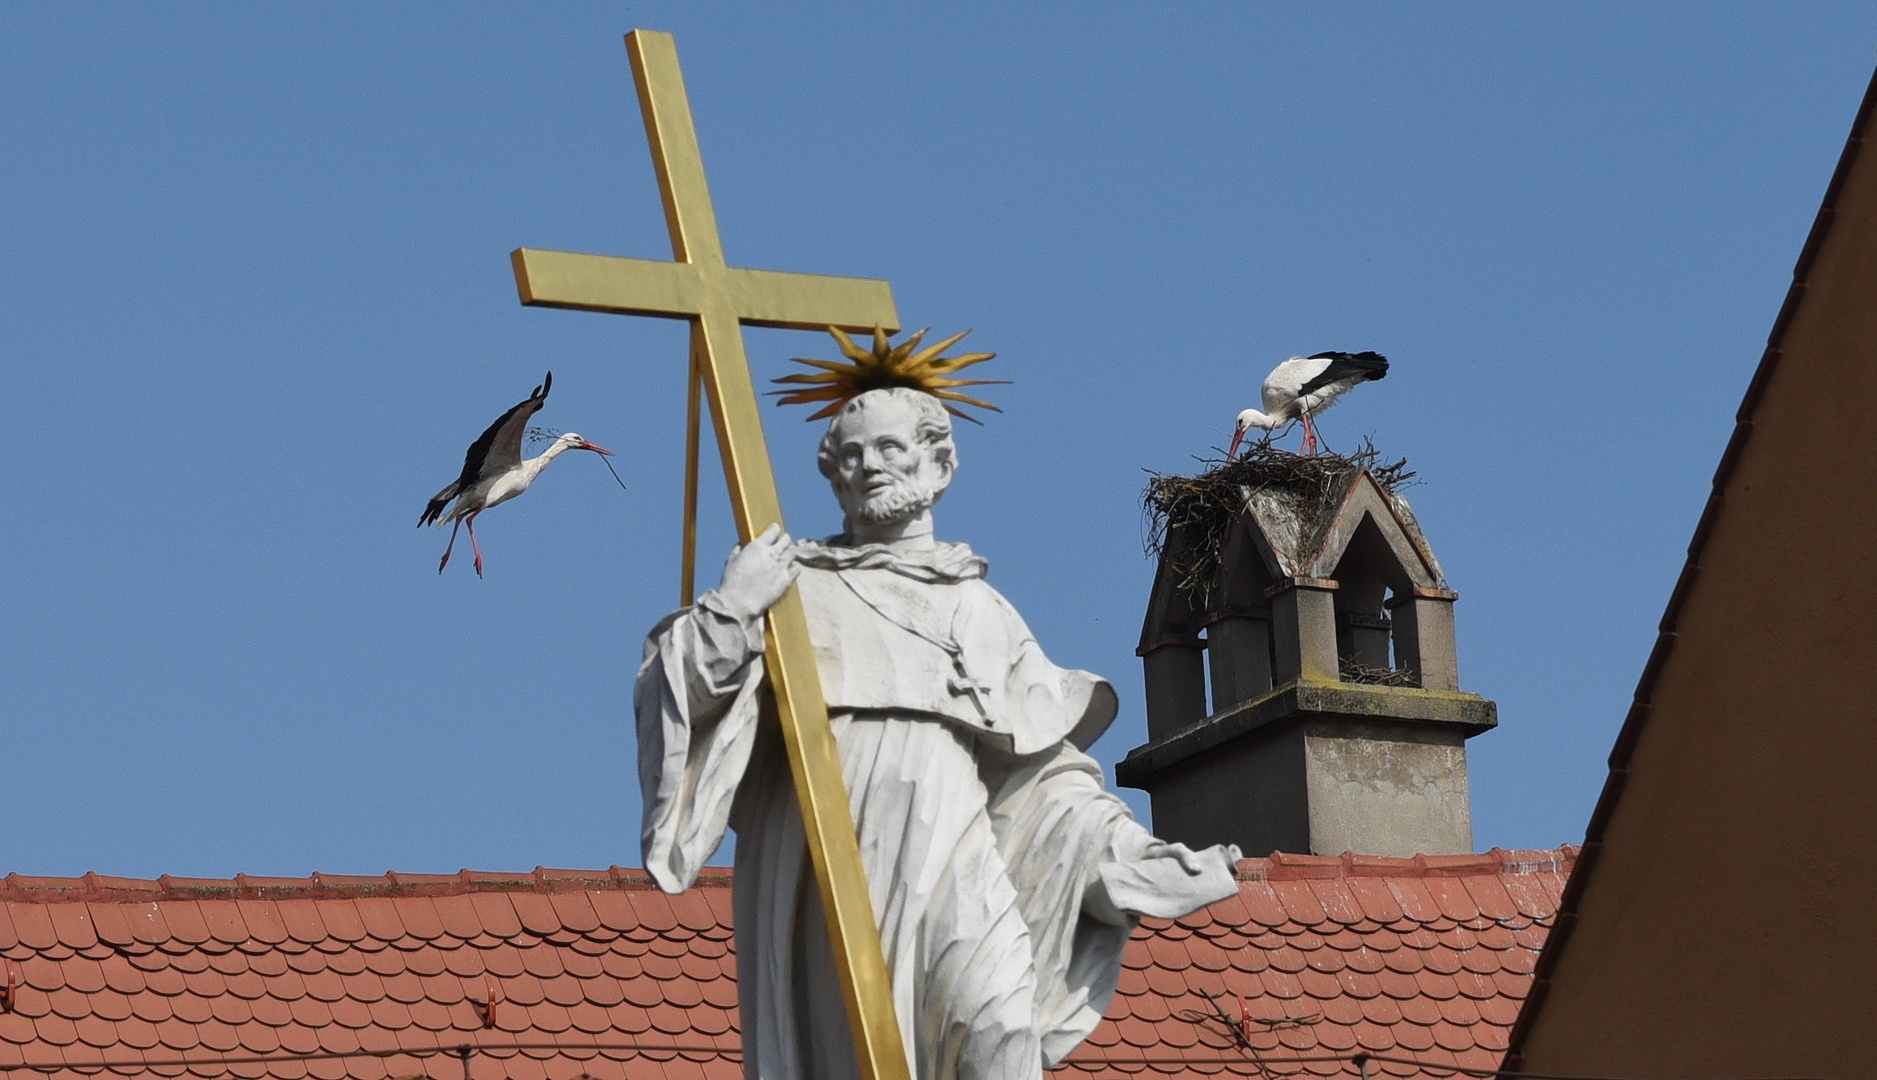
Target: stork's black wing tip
547,384
1371,364
1354,367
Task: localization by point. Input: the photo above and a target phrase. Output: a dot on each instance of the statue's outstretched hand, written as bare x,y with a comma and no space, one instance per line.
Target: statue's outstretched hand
1187,858
758,573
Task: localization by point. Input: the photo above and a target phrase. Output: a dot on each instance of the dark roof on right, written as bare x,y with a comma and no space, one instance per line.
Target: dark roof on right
1722,917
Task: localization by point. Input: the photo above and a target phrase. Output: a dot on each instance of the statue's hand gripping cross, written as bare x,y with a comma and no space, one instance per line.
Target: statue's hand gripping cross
717,300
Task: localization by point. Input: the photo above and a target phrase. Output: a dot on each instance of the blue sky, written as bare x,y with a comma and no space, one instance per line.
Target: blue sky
255,299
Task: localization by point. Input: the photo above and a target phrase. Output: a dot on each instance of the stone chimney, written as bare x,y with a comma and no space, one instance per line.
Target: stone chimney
1315,614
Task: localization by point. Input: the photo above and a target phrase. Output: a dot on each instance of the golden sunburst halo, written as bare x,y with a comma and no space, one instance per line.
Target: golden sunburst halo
884,366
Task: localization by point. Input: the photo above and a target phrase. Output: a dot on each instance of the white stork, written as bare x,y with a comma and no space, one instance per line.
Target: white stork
1303,386
494,472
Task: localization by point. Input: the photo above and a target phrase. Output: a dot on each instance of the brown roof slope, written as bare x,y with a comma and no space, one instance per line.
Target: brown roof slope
599,974
1753,734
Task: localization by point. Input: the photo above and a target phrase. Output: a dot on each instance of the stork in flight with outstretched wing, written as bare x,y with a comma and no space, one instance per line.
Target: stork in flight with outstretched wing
494,472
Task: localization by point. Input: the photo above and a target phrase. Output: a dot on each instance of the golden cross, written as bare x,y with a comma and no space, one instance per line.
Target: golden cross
717,300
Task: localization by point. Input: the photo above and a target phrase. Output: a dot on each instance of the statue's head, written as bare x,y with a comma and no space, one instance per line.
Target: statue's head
889,455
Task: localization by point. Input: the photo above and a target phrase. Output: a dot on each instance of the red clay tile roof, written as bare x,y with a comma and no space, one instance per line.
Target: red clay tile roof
599,974
1423,959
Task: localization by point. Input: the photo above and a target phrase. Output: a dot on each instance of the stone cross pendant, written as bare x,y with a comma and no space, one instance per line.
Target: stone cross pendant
963,684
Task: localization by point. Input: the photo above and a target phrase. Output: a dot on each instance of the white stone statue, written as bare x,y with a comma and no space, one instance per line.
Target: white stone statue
1005,879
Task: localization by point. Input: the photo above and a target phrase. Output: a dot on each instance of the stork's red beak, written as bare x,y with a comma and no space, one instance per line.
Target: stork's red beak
1237,437
595,447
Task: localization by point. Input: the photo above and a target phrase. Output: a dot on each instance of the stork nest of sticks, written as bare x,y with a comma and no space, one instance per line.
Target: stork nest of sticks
1201,508
1377,676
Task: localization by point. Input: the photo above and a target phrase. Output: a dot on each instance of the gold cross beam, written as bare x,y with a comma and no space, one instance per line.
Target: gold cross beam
717,300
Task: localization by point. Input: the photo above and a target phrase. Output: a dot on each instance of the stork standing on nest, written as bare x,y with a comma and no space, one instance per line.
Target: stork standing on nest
1303,386
494,472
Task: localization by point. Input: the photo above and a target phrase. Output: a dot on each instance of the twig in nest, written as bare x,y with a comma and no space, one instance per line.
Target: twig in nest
1200,509
1378,676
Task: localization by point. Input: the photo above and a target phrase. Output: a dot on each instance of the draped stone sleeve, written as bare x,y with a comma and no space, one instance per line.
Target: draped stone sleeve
1048,703
1085,870
697,701
1085,873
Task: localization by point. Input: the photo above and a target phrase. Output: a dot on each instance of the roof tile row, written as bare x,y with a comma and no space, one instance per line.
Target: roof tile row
557,974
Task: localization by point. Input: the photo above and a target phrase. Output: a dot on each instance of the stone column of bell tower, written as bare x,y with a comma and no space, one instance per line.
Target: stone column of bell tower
1336,722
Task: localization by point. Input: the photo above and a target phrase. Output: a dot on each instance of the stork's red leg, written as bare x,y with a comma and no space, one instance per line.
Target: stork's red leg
1309,435
451,547
477,548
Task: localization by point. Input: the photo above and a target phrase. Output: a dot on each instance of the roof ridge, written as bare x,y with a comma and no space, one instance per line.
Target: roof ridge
98,888
1282,866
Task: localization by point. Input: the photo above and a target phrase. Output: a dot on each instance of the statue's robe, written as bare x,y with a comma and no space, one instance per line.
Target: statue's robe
1004,878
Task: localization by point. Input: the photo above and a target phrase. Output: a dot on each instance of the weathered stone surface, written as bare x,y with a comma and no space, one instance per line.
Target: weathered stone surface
1468,714
1270,776
1374,791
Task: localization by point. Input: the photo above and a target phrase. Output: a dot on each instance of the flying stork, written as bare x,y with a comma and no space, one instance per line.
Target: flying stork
1303,386
494,472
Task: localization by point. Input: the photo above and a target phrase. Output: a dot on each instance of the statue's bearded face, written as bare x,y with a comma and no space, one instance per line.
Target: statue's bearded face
883,469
